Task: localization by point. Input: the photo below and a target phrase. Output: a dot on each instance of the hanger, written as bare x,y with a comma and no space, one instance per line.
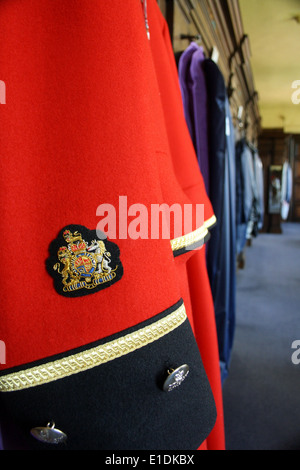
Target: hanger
192,37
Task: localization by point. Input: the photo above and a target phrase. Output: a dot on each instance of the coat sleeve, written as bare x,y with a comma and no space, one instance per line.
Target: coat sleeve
193,276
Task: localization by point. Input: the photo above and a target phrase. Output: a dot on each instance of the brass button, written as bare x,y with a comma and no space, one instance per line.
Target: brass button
49,434
175,377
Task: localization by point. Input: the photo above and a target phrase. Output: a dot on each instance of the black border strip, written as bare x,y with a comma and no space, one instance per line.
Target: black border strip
87,347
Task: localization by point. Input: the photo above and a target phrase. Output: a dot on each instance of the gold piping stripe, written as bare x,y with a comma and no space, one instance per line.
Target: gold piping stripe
94,357
189,239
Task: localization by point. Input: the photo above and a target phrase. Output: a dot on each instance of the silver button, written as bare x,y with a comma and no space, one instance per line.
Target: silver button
49,434
175,377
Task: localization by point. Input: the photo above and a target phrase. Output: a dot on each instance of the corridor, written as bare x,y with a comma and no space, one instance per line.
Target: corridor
261,394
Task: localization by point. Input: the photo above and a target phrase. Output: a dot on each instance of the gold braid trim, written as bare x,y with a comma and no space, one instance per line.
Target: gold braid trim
94,357
210,222
189,239
193,237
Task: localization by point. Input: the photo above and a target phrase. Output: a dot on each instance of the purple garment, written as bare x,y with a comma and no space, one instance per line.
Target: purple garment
185,86
199,96
194,96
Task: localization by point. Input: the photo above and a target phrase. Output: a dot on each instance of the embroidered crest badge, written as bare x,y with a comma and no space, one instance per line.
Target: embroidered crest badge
81,263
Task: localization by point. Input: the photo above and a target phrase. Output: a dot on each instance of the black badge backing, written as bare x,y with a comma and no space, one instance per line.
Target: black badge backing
81,263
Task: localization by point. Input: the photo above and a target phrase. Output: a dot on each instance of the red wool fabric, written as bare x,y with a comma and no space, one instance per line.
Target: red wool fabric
76,132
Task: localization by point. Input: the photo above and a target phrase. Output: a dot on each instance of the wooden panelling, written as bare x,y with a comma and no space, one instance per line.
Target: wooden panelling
163,7
297,212
219,24
294,157
275,147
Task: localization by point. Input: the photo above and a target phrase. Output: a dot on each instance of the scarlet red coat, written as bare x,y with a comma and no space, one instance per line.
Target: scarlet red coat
80,127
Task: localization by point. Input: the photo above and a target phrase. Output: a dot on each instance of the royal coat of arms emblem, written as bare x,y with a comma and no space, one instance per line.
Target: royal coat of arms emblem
82,263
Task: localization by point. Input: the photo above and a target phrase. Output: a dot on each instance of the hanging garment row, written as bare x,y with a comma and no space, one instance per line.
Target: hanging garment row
250,195
209,120
286,190
233,176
